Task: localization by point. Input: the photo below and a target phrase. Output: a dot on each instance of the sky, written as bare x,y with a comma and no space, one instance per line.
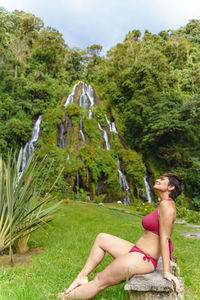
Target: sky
106,22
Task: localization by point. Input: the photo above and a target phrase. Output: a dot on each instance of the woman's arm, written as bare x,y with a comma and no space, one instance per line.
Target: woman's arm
167,215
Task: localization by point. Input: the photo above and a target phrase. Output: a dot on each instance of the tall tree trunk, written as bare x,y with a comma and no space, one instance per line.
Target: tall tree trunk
16,74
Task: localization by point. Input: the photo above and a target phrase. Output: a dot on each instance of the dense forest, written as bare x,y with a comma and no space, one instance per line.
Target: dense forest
149,85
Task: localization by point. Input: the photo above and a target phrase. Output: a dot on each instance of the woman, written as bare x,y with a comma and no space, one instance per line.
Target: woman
130,259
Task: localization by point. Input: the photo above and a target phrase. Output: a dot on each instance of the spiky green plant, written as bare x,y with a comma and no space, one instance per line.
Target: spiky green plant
21,211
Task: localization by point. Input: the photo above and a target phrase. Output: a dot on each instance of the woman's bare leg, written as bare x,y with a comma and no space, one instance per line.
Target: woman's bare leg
119,270
104,243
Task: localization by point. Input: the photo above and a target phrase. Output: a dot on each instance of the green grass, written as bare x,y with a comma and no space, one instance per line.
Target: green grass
66,243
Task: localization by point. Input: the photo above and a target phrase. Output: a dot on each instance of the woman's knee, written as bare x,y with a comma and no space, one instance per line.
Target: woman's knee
101,237
100,281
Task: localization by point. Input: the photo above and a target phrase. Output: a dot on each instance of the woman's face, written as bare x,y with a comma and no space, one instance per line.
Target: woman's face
161,184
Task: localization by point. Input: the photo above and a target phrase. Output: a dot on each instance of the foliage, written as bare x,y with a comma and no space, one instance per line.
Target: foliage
73,111
134,167
191,216
50,128
100,163
144,208
34,71
148,84
100,116
153,84
21,211
196,202
91,130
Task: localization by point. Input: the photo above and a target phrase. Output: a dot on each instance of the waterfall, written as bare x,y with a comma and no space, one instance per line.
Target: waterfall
123,183
112,127
108,122
87,176
67,159
90,114
147,188
69,127
61,142
83,101
70,98
90,93
105,136
87,94
29,147
77,181
81,130
87,100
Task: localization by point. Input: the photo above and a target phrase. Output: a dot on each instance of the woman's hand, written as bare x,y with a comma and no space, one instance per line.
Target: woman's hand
169,276
173,264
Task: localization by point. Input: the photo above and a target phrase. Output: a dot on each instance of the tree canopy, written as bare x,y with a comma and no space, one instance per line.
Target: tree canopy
149,83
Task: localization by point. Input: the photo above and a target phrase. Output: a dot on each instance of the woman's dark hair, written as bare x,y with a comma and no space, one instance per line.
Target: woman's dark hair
176,181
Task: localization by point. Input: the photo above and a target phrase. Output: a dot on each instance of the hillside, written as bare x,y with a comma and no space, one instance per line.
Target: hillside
148,86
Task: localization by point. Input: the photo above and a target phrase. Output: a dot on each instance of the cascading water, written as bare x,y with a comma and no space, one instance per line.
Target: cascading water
87,176
70,98
61,141
123,183
90,114
69,127
86,100
105,137
29,147
112,127
90,94
148,190
77,181
83,101
108,122
81,130
87,93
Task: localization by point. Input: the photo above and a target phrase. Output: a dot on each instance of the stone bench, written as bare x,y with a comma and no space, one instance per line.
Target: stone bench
153,286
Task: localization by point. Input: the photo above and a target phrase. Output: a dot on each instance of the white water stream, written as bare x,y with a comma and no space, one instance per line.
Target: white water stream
29,147
148,190
124,184
105,137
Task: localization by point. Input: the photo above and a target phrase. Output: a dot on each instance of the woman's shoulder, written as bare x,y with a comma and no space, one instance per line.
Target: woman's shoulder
167,203
167,207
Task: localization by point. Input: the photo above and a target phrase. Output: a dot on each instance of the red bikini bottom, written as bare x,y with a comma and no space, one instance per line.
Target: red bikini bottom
146,256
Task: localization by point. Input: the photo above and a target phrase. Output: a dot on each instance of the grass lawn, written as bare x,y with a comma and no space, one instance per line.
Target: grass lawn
65,244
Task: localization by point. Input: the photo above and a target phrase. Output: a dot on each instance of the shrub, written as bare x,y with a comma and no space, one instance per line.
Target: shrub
21,210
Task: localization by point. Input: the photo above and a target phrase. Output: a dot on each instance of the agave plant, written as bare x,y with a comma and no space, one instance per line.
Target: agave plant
21,212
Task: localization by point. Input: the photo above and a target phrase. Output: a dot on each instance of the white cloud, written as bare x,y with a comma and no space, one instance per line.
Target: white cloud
176,13
11,5
106,22
79,6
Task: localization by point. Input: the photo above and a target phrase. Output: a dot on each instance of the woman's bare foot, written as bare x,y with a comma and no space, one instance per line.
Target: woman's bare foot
77,282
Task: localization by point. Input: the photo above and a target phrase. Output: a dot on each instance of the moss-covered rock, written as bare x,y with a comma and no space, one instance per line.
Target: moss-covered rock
87,165
92,132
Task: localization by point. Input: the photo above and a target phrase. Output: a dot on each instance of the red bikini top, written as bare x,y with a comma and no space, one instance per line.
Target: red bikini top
151,222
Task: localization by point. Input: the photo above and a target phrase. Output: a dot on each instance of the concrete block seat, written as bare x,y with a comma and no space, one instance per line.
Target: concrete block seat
153,286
